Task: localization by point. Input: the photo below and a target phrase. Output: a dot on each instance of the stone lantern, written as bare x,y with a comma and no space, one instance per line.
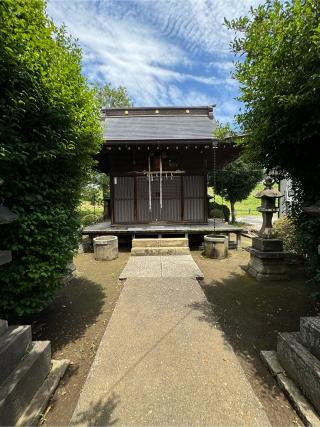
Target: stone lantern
268,207
6,217
267,258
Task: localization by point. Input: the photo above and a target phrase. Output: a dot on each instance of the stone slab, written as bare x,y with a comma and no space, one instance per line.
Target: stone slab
267,245
181,266
310,334
160,242
163,362
37,406
142,266
154,251
301,366
161,266
303,407
271,361
264,254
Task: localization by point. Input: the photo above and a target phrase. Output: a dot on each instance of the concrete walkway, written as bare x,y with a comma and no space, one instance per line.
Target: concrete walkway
161,362
161,266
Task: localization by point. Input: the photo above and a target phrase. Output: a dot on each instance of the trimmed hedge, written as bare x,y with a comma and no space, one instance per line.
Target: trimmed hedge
219,211
49,132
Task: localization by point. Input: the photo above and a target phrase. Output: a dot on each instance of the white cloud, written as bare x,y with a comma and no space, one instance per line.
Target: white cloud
198,23
153,47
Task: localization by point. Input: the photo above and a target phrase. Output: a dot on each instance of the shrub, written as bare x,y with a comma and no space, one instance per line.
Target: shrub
287,232
219,211
49,132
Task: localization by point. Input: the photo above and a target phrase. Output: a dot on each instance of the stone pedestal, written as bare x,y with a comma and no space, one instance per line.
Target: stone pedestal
267,259
216,246
105,248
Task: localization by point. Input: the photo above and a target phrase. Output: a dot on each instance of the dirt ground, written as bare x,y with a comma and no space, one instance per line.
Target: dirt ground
250,314
75,323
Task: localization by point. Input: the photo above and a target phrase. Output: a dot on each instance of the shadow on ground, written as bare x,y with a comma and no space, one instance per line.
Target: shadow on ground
67,318
100,413
250,314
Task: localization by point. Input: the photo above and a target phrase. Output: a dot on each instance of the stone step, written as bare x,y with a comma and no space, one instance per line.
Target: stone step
3,326
310,334
143,251
38,404
13,346
161,242
19,388
300,365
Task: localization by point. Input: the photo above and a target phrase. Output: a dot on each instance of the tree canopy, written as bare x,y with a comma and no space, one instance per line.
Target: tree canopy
49,133
113,97
235,181
278,68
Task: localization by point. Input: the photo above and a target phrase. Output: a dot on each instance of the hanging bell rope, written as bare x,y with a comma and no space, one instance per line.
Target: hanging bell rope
215,147
160,179
149,183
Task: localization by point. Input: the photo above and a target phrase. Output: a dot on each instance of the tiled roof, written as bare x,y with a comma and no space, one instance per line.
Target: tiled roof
186,123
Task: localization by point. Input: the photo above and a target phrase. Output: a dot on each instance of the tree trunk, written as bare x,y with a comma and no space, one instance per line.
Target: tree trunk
233,214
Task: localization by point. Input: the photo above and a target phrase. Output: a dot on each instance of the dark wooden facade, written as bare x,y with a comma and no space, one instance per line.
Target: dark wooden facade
159,180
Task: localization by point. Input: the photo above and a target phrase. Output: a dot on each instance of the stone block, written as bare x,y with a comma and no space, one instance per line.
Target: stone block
267,245
266,254
300,365
13,346
310,334
159,251
145,243
3,326
5,257
267,269
181,242
20,386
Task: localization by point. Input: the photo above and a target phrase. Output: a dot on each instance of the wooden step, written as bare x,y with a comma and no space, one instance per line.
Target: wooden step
310,334
300,365
13,346
144,251
161,242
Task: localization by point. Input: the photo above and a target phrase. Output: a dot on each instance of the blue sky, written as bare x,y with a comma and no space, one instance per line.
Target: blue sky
165,52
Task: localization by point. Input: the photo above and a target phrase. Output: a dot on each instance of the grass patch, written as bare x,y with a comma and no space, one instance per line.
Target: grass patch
89,213
247,206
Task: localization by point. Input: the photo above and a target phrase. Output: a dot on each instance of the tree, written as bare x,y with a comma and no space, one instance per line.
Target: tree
278,69
49,133
113,97
235,181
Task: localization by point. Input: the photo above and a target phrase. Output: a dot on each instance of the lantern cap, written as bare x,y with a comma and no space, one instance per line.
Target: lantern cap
6,216
268,191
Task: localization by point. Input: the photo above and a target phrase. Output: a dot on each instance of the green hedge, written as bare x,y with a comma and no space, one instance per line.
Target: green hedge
217,210
49,132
